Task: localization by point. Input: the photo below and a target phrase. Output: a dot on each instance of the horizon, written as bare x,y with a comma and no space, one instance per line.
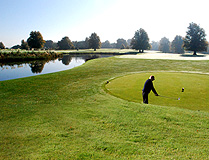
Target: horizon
110,19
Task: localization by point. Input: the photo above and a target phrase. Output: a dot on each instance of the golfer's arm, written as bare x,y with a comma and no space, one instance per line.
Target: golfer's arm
153,90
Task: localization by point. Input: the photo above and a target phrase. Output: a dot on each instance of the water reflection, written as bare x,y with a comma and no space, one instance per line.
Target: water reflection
66,59
94,56
37,67
23,69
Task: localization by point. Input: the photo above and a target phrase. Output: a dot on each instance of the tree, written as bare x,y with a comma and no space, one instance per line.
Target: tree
35,40
87,43
106,44
208,48
164,45
177,45
2,45
123,46
81,44
24,45
94,41
50,45
129,42
154,46
195,39
65,44
140,41
121,43
16,47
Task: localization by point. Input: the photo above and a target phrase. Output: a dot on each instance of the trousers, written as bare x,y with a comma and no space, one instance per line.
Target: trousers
145,97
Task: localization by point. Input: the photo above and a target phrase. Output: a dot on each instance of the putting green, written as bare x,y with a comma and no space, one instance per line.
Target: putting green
168,84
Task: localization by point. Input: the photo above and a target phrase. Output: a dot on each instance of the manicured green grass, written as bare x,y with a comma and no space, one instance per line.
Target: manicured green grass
68,115
169,85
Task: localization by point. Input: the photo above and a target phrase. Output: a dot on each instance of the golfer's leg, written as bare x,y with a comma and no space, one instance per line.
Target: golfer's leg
145,97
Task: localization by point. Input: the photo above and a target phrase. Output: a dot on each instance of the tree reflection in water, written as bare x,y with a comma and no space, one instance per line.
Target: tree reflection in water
66,59
37,67
19,69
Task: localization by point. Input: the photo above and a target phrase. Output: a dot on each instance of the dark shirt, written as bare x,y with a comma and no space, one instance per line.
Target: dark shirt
148,86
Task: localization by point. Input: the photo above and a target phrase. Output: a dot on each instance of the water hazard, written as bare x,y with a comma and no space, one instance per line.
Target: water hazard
20,70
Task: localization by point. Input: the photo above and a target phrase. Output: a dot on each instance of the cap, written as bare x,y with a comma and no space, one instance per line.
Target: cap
152,77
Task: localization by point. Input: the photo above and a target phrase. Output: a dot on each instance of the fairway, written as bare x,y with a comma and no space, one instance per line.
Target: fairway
68,115
169,85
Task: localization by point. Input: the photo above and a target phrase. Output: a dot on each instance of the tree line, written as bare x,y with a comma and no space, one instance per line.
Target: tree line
193,41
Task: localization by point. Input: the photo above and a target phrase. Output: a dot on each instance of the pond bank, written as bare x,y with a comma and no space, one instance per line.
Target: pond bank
17,56
29,55
14,70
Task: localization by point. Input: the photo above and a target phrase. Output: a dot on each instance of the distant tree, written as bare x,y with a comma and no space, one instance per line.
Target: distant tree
208,48
81,44
177,45
113,45
106,44
87,43
121,42
65,44
140,41
195,39
94,41
50,45
164,45
16,47
24,45
155,46
129,42
36,40
2,45
123,46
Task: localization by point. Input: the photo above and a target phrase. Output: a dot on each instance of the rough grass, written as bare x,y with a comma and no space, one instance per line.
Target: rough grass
68,115
22,55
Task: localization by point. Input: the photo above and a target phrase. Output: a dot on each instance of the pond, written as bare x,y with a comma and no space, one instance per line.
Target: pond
20,70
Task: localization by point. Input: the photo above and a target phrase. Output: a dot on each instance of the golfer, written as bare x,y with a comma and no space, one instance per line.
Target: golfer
148,86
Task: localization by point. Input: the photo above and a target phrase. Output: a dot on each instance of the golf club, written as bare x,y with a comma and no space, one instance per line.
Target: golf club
170,97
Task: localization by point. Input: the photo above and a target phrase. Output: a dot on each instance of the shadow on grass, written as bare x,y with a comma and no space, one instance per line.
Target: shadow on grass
131,52
186,55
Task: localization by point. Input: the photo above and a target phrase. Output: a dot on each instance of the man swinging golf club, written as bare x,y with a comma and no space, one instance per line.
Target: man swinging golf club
148,86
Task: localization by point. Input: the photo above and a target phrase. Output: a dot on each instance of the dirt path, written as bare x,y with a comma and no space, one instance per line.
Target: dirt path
170,56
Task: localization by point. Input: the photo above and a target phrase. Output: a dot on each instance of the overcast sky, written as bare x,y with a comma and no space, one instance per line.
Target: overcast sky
110,19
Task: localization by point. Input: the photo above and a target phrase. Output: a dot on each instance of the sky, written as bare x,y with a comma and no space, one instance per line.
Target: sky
110,19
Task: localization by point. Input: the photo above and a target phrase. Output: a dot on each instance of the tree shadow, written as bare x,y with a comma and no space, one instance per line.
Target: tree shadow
187,55
133,52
